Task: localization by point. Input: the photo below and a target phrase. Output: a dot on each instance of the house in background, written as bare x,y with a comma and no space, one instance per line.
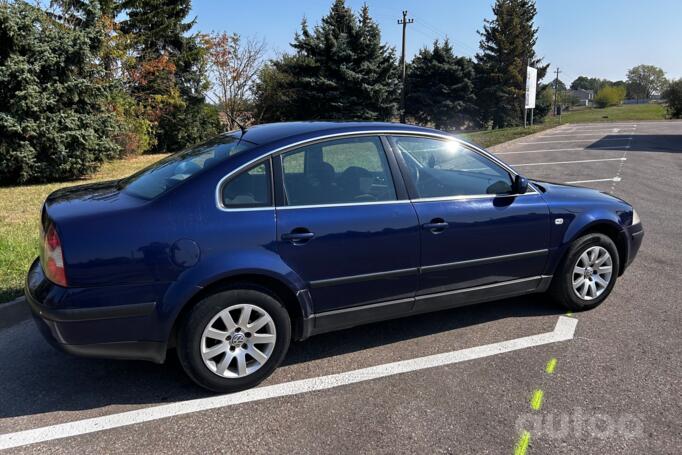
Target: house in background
584,97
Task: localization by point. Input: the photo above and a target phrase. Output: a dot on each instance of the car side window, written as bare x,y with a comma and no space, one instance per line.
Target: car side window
440,168
250,188
350,170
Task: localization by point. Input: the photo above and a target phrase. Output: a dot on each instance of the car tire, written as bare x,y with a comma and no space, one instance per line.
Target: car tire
224,349
583,292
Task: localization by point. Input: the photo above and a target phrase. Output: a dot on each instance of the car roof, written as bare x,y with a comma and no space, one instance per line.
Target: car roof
275,132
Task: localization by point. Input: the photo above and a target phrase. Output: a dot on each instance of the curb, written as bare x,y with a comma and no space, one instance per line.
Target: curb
14,312
503,145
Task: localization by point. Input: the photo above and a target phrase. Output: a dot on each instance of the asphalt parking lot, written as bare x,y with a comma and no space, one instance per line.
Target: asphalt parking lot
615,385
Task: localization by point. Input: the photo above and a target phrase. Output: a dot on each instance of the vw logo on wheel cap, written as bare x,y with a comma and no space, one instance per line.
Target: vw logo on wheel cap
237,339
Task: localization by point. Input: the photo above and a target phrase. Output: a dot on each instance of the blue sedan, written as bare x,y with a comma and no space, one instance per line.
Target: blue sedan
229,250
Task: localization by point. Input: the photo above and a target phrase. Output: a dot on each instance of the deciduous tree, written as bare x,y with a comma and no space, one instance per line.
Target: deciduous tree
609,95
234,64
168,74
645,80
673,96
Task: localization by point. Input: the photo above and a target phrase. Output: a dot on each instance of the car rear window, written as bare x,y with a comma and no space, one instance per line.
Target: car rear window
163,175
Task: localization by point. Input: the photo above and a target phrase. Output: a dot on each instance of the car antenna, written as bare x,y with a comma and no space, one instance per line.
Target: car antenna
241,127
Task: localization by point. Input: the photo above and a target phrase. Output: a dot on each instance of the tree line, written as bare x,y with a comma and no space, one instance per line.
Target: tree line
85,81
340,69
641,83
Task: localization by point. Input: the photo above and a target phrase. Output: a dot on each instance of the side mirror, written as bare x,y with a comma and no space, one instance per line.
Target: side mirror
520,184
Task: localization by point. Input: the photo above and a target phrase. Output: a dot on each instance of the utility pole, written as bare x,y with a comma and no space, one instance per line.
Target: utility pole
556,89
404,23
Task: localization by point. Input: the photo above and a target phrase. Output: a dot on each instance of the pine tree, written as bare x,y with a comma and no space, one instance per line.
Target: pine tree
440,88
507,46
340,70
169,73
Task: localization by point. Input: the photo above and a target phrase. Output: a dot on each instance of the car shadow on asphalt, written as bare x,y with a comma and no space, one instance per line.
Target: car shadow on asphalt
36,379
412,327
667,143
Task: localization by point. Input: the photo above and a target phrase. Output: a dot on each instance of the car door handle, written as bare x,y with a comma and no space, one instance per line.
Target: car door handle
298,237
436,225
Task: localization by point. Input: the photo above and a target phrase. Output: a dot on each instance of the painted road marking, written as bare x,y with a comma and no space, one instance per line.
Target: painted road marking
563,331
614,179
620,168
564,150
570,162
574,140
596,133
587,126
624,130
536,400
522,445
540,151
601,126
551,365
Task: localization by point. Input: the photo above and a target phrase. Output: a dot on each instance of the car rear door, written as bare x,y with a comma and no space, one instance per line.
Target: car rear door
347,227
474,231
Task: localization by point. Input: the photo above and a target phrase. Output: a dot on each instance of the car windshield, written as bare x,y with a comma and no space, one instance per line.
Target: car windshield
163,175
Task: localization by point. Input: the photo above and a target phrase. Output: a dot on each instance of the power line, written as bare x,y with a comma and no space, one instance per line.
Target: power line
425,28
442,35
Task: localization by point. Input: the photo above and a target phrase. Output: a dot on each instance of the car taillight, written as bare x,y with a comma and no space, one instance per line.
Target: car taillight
53,259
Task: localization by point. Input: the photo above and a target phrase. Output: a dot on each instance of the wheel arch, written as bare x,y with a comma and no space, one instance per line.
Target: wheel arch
296,302
610,229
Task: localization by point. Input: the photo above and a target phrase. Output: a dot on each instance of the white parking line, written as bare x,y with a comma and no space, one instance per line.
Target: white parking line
599,127
563,330
563,150
615,179
569,162
586,134
602,125
574,140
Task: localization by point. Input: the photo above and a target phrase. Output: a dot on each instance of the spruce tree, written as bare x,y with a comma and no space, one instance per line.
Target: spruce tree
339,70
440,88
53,121
507,46
169,73
377,73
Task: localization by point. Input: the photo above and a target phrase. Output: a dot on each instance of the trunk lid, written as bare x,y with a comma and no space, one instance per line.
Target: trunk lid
87,200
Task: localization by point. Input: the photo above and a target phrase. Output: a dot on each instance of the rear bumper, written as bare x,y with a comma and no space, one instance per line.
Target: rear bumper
90,331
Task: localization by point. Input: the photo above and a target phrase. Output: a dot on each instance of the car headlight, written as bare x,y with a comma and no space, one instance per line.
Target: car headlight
635,217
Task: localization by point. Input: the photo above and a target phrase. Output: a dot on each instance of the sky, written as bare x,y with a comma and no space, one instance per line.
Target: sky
595,38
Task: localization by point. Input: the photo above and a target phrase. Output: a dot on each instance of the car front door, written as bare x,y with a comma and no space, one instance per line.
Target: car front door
347,228
475,232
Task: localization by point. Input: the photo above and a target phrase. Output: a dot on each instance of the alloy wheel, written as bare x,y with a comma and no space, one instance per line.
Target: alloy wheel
592,273
238,341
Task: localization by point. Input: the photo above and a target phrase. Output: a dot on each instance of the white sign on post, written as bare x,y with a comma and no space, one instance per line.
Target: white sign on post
531,85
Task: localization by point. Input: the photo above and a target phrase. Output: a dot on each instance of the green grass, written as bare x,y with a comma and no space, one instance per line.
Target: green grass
626,112
20,215
629,112
489,138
